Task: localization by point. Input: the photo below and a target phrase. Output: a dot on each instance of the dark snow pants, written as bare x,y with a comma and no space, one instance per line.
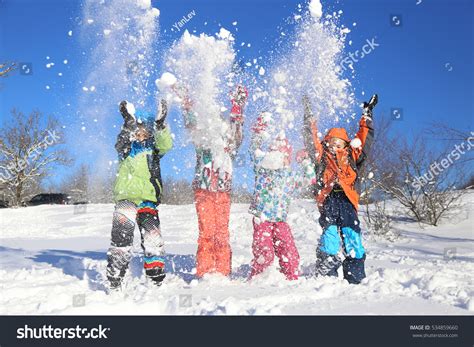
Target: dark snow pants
125,216
339,222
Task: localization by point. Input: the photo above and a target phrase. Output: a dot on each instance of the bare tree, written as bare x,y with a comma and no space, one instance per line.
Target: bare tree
372,197
77,185
241,195
101,187
444,132
405,170
28,152
6,68
411,178
177,192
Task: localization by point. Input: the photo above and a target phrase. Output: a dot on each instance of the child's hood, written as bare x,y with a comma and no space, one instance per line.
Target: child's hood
337,132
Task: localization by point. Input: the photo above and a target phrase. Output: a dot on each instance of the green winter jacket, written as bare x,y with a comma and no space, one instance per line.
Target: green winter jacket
139,177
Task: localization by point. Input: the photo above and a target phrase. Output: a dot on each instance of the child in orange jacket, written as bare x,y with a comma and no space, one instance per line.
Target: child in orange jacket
337,160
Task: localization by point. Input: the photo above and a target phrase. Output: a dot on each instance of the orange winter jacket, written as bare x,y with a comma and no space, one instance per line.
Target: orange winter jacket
342,167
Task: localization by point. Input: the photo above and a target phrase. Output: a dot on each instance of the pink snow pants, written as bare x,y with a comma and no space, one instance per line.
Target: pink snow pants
271,238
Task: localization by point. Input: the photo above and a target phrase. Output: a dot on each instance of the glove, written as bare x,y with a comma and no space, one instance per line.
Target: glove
161,115
238,101
129,118
369,106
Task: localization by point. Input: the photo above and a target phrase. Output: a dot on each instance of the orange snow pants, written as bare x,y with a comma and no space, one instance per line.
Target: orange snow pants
214,253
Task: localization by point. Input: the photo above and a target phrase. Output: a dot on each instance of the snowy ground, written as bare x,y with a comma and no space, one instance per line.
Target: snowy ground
53,260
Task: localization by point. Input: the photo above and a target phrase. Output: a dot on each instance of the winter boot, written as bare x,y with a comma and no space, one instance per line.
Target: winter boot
326,265
157,275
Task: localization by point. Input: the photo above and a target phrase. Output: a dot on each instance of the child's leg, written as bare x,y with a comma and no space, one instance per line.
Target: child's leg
262,246
152,242
223,252
119,254
327,261
286,251
205,260
353,266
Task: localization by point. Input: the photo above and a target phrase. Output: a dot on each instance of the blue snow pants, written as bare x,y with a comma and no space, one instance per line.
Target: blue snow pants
340,226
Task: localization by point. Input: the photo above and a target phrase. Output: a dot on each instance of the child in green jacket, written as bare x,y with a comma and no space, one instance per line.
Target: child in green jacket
141,144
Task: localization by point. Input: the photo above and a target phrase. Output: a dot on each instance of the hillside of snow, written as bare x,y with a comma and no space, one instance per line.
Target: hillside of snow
53,261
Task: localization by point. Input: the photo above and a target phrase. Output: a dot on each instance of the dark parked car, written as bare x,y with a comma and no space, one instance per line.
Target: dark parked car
49,199
3,204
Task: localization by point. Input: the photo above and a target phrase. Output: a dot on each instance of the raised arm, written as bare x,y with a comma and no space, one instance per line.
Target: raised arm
189,117
163,139
258,134
310,133
239,99
123,144
362,142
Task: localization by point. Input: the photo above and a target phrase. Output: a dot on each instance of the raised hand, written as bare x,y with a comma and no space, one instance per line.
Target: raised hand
238,99
369,106
161,114
240,95
126,110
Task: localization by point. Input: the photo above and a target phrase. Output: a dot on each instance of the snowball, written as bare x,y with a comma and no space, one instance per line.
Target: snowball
155,12
356,143
65,61
315,8
234,23
70,33
261,71
50,65
370,175
166,80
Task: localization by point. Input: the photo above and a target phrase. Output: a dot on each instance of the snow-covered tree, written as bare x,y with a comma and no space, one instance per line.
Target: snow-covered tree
29,150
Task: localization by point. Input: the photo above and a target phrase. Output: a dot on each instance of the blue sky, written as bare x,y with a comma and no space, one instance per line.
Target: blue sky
424,66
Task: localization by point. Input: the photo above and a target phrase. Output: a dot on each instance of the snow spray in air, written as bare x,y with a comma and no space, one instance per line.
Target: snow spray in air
308,63
118,37
201,66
